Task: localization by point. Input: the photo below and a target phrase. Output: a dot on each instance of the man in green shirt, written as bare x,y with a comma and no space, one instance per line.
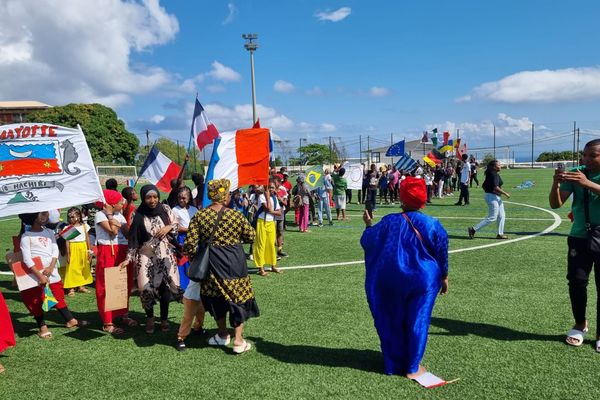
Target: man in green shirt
586,177
339,192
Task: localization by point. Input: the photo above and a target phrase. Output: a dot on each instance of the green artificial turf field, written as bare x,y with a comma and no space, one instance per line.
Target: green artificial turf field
500,329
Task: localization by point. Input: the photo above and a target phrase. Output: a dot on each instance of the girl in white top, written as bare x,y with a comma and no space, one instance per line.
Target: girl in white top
39,243
184,212
263,249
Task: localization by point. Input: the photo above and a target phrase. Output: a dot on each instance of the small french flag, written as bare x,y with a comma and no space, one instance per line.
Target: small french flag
160,170
203,131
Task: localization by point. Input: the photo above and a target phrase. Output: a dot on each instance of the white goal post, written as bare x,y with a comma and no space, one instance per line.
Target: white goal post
124,174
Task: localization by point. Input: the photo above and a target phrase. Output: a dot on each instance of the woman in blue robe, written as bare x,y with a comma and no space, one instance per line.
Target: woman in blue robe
406,259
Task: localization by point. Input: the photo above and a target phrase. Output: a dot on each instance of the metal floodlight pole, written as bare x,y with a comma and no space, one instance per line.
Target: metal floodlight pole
251,46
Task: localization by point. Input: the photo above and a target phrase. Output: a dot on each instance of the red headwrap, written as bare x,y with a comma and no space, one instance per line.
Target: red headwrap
112,197
413,192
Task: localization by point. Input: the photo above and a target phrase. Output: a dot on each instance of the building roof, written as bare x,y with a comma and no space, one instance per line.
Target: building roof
22,104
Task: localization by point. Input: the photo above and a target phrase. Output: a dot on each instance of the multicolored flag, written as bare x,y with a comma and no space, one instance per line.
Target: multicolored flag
28,159
431,159
406,163
434,138
160,170
446,137
395,150
203,131
69,233
425,138
242,157
314,177
49,299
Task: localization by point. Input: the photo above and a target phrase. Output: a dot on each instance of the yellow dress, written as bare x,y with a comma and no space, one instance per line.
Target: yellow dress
77,270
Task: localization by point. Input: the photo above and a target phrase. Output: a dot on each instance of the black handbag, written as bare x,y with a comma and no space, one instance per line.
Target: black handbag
593,231
200,264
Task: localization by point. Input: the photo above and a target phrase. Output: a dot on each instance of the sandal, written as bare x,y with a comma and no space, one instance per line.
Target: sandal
242,348
576,337
71,293
83,289
46,335
113,330
218,340
129,322
262,272
165,326
79,324
150,326
276,270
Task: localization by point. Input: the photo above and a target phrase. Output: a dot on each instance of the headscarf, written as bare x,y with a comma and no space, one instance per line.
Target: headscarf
112,197
218,189
138,234
413,193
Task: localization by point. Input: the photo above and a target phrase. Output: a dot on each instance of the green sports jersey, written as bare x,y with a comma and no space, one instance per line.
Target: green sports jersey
577,206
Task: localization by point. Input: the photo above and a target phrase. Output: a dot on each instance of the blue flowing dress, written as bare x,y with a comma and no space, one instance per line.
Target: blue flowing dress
403,278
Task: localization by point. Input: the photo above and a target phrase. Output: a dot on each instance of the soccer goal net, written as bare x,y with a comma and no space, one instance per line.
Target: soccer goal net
124,174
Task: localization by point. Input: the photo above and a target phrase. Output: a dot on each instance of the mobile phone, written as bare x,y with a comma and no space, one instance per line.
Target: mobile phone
560,167
369,208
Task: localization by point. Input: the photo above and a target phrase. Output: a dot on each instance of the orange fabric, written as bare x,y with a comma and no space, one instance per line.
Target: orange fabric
252,153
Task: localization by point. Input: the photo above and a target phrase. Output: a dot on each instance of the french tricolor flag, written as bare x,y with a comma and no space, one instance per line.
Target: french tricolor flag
203,131
160,170
242,157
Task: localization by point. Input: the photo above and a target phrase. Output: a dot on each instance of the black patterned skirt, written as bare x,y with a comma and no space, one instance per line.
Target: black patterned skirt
229,288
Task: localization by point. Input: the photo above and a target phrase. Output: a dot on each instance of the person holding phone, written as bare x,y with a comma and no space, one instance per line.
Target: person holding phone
492,185
576,181
263,249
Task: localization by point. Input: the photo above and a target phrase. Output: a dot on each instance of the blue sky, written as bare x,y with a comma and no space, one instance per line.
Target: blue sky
323,68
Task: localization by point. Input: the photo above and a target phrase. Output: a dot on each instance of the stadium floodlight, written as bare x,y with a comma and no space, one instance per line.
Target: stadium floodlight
251,45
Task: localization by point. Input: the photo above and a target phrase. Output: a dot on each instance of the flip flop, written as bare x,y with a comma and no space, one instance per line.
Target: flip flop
429,380
113,330
576,334
243,348
218,341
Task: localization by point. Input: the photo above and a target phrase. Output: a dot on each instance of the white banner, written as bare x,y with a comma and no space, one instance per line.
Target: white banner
44,167
354,175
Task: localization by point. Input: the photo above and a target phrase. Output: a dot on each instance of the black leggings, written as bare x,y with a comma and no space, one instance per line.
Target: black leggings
164,299
579,267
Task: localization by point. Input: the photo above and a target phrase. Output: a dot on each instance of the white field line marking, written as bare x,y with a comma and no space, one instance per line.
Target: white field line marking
557,221
480,218
556,218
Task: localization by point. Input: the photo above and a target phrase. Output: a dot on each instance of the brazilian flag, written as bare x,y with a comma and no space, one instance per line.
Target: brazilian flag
314,177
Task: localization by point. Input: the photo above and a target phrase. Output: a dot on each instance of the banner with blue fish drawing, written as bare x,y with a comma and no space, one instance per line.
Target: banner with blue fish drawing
44,167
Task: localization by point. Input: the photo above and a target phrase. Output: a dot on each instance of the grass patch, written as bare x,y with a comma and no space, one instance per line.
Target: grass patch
500,329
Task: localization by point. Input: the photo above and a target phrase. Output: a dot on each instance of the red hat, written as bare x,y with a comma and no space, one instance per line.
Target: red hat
413,192
112,197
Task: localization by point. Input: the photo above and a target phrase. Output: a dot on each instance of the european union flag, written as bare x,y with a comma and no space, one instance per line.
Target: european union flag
395,150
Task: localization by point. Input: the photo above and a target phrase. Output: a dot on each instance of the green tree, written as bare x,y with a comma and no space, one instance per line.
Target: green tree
105,133
315,153
486,159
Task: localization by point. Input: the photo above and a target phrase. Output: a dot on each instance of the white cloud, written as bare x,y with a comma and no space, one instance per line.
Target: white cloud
240,116
545,86
233,11
283,87
85,54
505,126
334,16
157,119
223,73
306,127
377,91
315,91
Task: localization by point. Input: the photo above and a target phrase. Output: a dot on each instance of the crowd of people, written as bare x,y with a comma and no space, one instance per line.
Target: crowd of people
154,241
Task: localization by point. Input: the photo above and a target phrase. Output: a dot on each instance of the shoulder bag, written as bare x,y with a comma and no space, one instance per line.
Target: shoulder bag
200,264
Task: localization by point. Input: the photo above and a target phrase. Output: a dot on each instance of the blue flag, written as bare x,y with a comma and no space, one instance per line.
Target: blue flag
395,150
406,163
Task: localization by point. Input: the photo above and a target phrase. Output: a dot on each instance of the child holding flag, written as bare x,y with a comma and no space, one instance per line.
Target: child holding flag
78,271
39,242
